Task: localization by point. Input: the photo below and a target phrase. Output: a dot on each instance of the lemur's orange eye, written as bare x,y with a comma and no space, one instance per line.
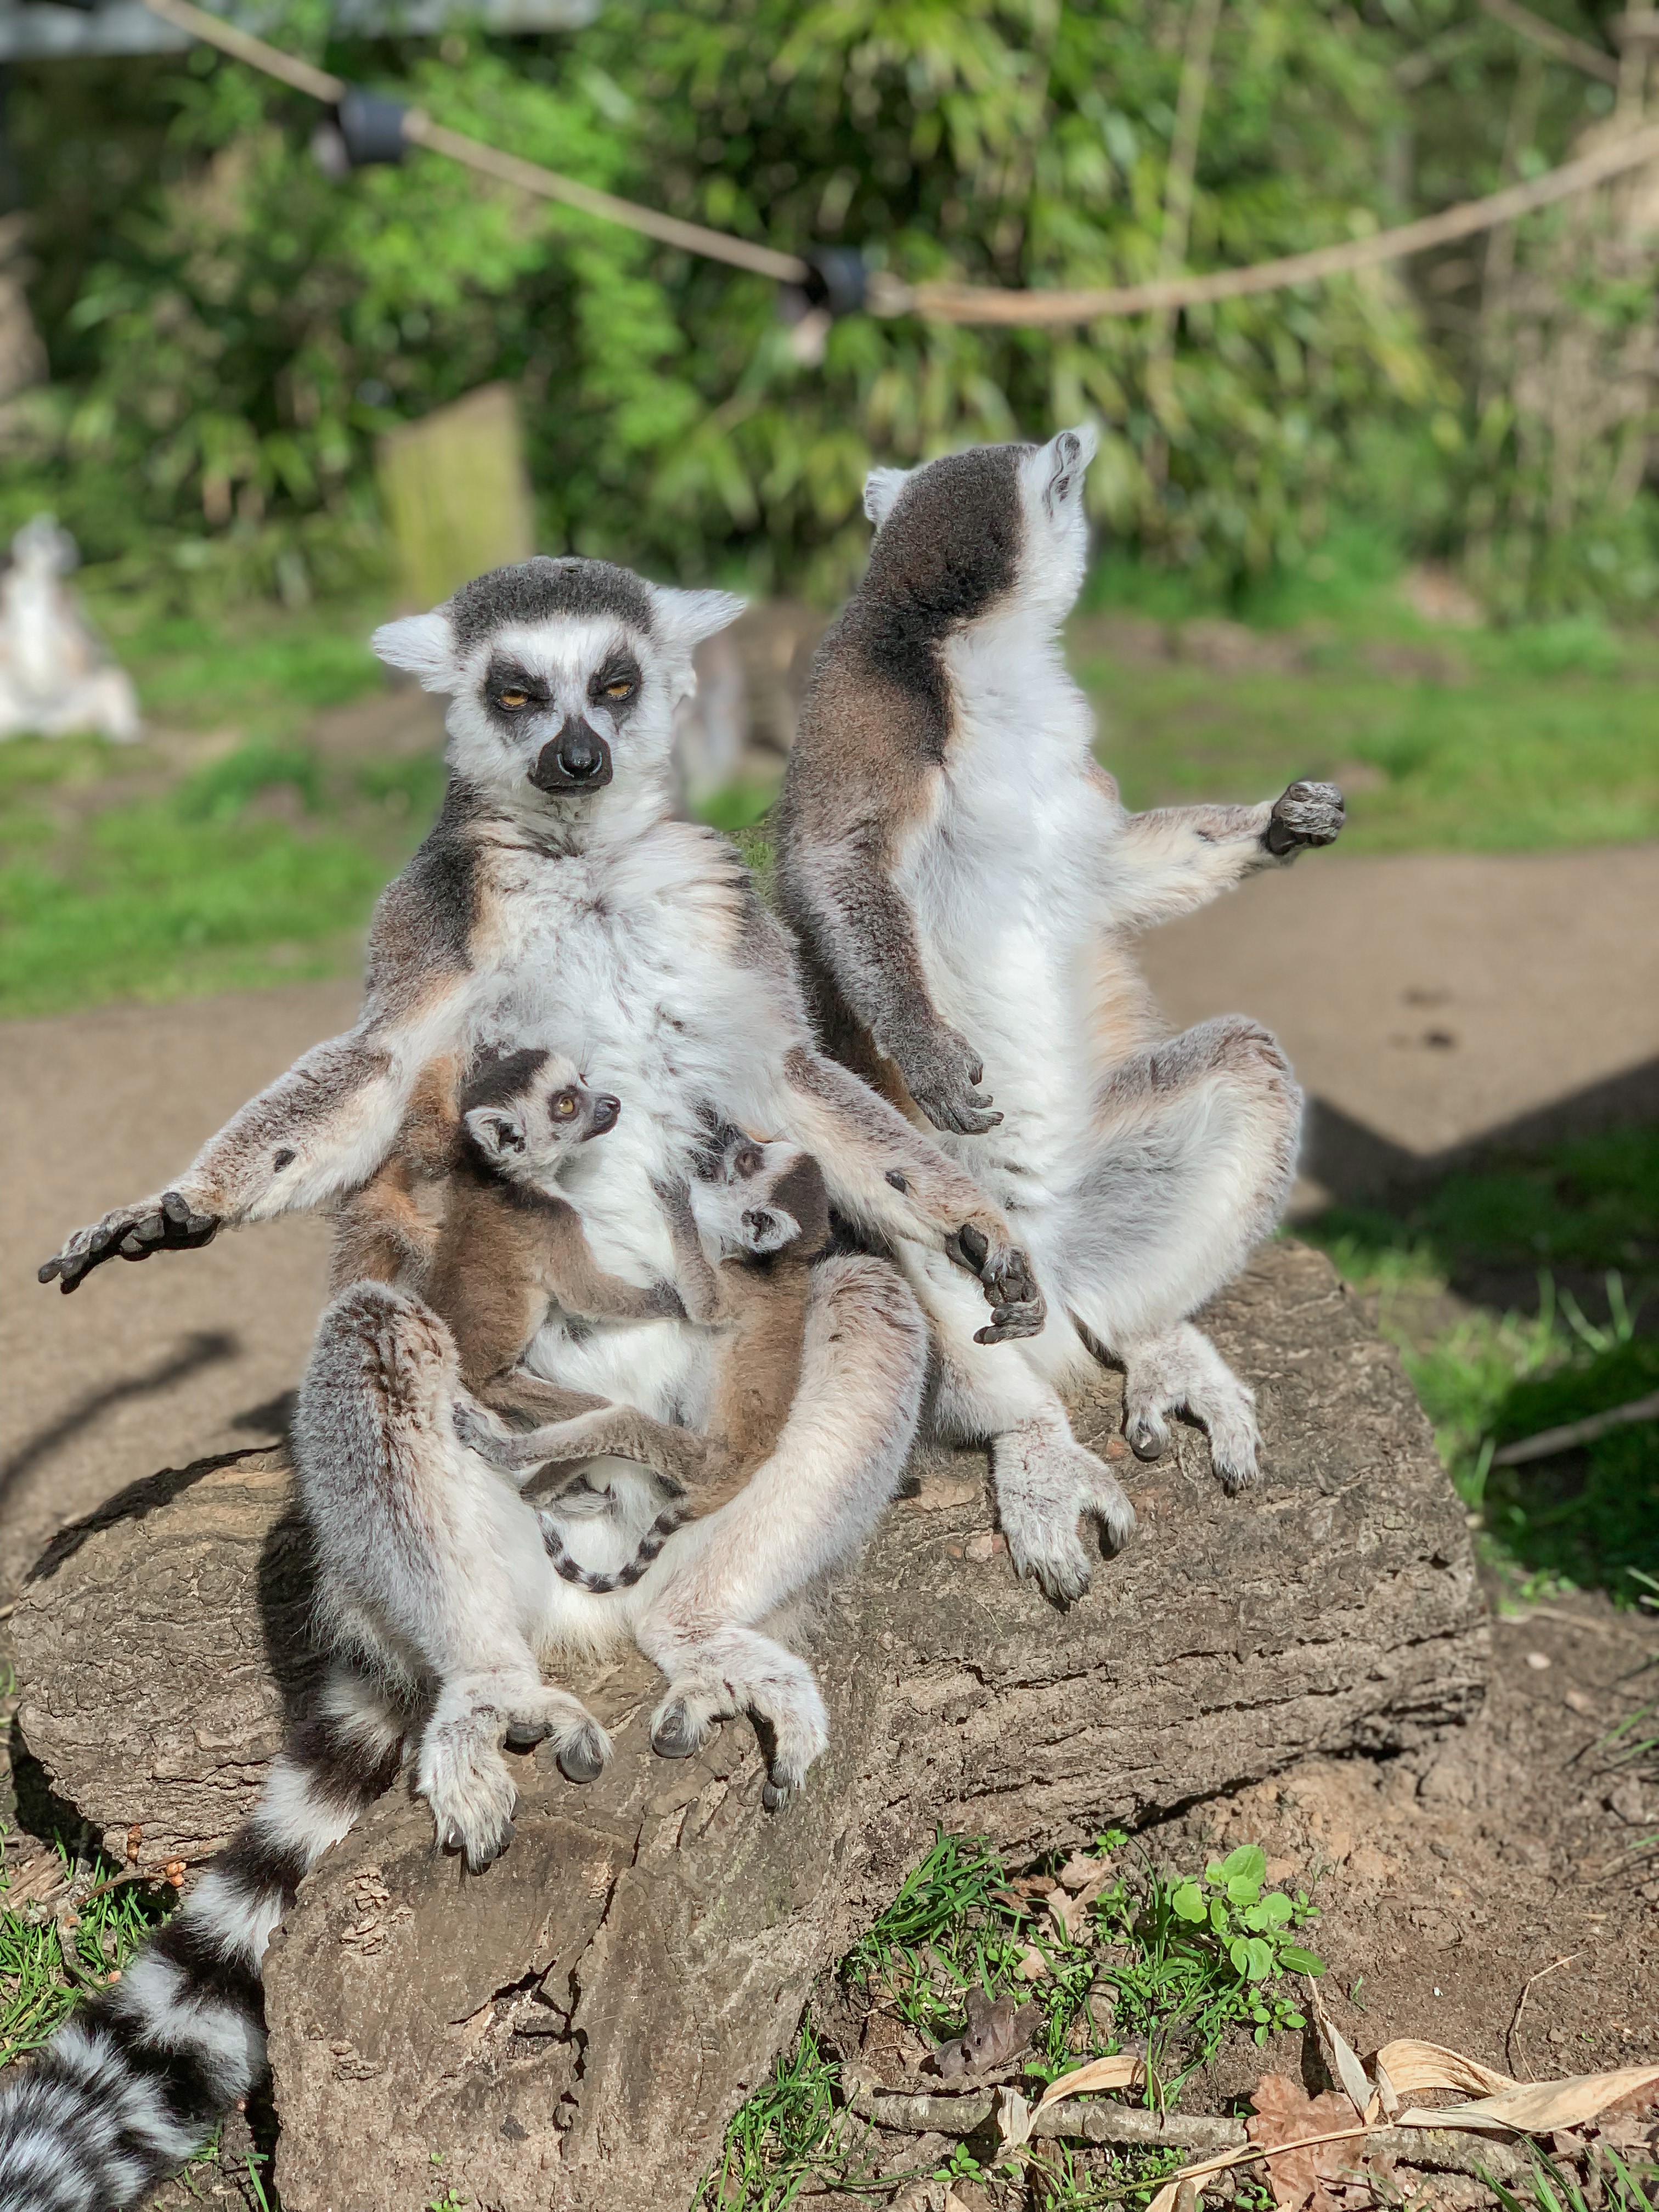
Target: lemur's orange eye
564,1105
622,690
513,700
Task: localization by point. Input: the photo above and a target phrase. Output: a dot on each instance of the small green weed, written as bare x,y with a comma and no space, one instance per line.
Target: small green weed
1171,1963
1066,2179
38,1989
789,2134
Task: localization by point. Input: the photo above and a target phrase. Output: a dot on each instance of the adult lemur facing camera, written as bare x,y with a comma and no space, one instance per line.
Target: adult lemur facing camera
557,905
965,886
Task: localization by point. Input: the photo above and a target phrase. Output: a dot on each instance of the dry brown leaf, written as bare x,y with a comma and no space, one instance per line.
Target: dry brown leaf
1539,2108
1032,1964
994,2034
1126,2071
1343,2058
1078,1871
1285,2114
35,1881
1412,2067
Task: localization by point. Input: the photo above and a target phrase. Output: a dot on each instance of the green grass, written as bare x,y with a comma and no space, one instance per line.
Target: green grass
1514,760
1489,1373
224,851
37,1989
165,869
1554,2187
1170,1963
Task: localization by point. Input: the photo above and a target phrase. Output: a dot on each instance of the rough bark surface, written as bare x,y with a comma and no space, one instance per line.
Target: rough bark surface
573,2028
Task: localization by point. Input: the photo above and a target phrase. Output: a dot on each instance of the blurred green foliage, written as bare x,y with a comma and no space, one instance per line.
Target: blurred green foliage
225,354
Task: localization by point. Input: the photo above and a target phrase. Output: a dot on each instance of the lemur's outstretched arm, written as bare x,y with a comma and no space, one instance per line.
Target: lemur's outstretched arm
888,1176
1177,859
578,1285
862,931
316,1133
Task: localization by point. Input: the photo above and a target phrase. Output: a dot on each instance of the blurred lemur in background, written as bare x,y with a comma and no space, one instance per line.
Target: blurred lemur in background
965,885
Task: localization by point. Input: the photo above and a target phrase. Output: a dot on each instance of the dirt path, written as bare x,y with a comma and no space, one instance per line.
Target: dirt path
141,1370
1426,1000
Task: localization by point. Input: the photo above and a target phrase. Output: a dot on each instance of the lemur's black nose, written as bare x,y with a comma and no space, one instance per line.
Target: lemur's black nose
577,759
605,1111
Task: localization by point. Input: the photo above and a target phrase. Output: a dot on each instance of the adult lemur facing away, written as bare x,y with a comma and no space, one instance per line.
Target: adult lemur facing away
965,885
557,905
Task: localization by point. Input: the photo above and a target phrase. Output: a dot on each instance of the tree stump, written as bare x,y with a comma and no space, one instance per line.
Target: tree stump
571,2029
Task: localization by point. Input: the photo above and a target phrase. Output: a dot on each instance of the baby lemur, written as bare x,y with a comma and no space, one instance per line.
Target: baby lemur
764,1210
509,1250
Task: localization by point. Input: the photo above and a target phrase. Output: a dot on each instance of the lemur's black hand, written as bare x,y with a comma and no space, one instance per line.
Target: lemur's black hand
1307,814
941,1073
166,1223
1018,1305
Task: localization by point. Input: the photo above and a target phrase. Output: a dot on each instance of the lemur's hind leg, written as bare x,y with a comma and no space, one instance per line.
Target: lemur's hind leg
428,1561
1048,1484
808,1507
1196,1154
674,1456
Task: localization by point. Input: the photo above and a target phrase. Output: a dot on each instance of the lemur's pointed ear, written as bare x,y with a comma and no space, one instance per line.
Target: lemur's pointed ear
499,1132
685,618
1061,465
881,487
422,644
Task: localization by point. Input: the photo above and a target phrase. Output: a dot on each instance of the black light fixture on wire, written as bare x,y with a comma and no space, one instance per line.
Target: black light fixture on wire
365,128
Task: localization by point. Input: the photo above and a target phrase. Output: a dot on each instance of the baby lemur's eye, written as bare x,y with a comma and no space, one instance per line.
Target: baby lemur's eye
512,700
564,1105
623,688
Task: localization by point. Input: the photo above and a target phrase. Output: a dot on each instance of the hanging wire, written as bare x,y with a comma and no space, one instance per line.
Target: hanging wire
376,128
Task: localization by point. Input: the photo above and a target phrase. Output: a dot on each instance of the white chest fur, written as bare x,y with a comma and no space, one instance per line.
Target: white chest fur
1003,880
628,960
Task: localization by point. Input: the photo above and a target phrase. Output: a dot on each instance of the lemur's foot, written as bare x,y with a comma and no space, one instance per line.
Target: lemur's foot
1184,1369
168,1223
768,1229
784,1703
1047,1483
942,1075
462,1774
692,1709
1307,814
488,1435
1018,1305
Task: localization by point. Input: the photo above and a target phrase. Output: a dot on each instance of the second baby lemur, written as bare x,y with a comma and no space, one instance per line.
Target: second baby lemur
509,1248
764,1210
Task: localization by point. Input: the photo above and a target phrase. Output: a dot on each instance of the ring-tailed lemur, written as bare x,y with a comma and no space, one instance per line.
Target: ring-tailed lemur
557,904
510,1250
764,1209
965,886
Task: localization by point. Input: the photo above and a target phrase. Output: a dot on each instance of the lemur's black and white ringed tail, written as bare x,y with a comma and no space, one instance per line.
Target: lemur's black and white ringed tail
624,1578
137,2080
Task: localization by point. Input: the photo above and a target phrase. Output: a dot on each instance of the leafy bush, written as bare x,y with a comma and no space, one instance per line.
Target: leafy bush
226,364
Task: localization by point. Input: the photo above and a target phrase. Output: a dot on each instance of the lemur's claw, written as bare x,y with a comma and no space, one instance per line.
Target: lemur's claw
1018,1305
676,1734
1307,814
943,1080
775,1795
582,1759
1148,1438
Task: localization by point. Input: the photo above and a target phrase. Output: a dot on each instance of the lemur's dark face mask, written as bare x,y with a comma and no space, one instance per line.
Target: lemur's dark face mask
576,759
